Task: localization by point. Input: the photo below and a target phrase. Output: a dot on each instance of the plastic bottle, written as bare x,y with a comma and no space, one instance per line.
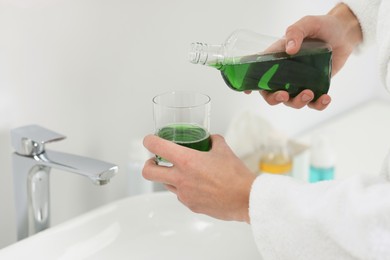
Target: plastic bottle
251,61
275,158
322,160
136,184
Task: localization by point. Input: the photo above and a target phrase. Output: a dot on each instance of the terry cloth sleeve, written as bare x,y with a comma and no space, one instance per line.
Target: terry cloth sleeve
343,220
374,18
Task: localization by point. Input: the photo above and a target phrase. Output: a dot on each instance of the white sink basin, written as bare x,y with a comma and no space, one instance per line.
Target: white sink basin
155,226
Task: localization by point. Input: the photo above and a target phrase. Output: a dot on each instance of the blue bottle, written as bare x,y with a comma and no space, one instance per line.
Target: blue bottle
322,160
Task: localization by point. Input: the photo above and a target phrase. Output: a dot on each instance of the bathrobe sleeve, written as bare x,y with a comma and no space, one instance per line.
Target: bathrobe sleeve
367,13
374,19
347,219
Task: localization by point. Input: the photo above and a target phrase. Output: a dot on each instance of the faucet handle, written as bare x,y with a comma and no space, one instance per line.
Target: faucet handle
31,139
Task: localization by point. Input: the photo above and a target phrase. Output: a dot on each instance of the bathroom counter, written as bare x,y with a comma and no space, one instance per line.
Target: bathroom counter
360,139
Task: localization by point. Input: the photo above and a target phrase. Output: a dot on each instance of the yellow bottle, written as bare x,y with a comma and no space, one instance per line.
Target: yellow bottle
276,158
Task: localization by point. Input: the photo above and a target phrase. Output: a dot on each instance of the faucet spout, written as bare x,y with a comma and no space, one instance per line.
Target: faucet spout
99,172
31,169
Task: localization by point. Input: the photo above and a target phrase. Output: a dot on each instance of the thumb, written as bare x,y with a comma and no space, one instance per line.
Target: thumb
294,37
219,144
306,27
295,34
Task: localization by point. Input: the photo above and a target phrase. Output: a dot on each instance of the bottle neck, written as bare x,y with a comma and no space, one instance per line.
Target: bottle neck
206,54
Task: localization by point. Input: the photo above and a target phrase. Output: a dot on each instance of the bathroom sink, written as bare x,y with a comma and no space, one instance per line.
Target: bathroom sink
153,226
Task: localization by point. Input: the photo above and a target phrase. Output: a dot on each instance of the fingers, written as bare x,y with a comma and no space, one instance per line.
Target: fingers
275,97
301,100
171,188
321,103
164,148
305,98
154,172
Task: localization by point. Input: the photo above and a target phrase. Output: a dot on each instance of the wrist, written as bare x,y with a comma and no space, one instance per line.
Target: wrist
246,191
352,29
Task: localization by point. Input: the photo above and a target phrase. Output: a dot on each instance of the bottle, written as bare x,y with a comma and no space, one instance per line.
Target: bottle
251,61
275,158
137,156
322,160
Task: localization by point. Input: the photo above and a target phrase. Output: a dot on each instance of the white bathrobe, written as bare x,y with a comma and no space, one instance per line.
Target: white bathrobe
329,220
374,20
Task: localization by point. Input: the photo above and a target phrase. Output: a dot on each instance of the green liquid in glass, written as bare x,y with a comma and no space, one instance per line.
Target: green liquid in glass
280,71
188,135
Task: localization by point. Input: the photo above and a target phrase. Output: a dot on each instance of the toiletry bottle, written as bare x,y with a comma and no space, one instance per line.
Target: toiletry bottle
137,156
251,61
275,158
322,160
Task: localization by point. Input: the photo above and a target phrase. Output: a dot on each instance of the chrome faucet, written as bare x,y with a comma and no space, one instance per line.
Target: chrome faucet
31,168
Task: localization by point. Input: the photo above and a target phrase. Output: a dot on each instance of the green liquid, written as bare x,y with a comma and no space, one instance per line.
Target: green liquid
188,135
280,71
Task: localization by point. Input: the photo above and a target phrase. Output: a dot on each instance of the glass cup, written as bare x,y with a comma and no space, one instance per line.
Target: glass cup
182,117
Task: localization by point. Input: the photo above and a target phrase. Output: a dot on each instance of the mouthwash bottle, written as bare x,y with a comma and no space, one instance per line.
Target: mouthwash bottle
251,61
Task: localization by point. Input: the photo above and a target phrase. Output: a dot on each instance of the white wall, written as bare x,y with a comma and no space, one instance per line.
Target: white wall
89,68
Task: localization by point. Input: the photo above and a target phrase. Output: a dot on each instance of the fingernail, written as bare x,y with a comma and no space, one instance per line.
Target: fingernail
325,101
306,98
290,44
279,97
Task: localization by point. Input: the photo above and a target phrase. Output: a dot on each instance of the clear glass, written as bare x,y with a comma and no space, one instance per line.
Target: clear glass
182,117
